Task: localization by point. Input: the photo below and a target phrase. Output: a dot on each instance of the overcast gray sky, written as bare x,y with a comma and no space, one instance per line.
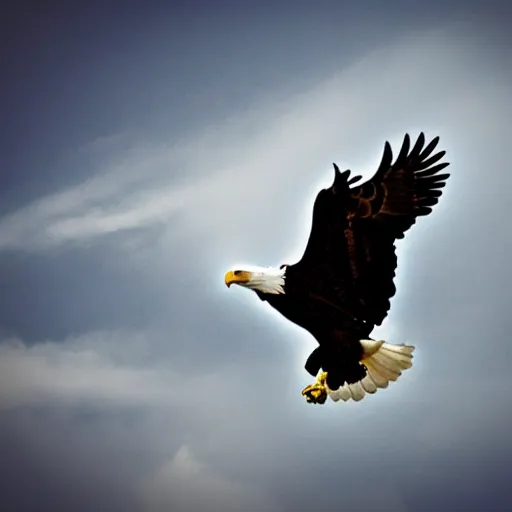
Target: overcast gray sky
149,148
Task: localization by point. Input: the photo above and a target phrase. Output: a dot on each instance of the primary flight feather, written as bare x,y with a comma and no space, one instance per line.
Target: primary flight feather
342,286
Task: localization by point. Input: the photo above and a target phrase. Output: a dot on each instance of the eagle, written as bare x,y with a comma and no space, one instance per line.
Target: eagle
342,286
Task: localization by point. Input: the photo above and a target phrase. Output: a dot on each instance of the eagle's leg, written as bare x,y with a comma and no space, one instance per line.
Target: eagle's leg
316,393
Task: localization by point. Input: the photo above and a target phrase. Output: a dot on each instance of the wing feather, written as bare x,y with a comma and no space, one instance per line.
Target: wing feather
350,258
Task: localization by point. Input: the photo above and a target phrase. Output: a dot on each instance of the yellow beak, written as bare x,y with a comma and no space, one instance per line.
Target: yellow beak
239,278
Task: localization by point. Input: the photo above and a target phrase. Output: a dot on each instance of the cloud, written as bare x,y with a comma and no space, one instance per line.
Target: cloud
80,370
125,370
184,484
278,150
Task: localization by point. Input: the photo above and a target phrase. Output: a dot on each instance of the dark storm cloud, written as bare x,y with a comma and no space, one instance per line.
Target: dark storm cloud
130,378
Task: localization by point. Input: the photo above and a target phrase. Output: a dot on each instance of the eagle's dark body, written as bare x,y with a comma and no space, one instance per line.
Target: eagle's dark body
341,288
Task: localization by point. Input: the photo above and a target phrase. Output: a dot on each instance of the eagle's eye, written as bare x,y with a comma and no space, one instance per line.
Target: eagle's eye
237,272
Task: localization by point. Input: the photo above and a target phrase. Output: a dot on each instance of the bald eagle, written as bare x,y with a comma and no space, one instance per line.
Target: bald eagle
341,288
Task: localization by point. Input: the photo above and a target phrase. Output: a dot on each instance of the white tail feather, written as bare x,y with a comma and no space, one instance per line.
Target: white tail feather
384,363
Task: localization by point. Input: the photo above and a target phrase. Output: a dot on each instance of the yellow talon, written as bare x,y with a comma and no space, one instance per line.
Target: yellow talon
316,393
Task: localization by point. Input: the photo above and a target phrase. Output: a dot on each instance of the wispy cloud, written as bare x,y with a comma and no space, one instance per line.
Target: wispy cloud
266,155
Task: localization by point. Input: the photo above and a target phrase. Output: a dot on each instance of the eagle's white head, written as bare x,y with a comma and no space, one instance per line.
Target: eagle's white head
262,279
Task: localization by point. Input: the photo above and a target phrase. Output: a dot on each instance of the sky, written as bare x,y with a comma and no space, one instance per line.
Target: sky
146,149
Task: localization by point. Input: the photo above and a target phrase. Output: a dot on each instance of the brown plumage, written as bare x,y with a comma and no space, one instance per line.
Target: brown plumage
342,286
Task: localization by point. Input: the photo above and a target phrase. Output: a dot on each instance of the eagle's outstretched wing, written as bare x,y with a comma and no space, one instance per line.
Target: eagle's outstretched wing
350,260
401,191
